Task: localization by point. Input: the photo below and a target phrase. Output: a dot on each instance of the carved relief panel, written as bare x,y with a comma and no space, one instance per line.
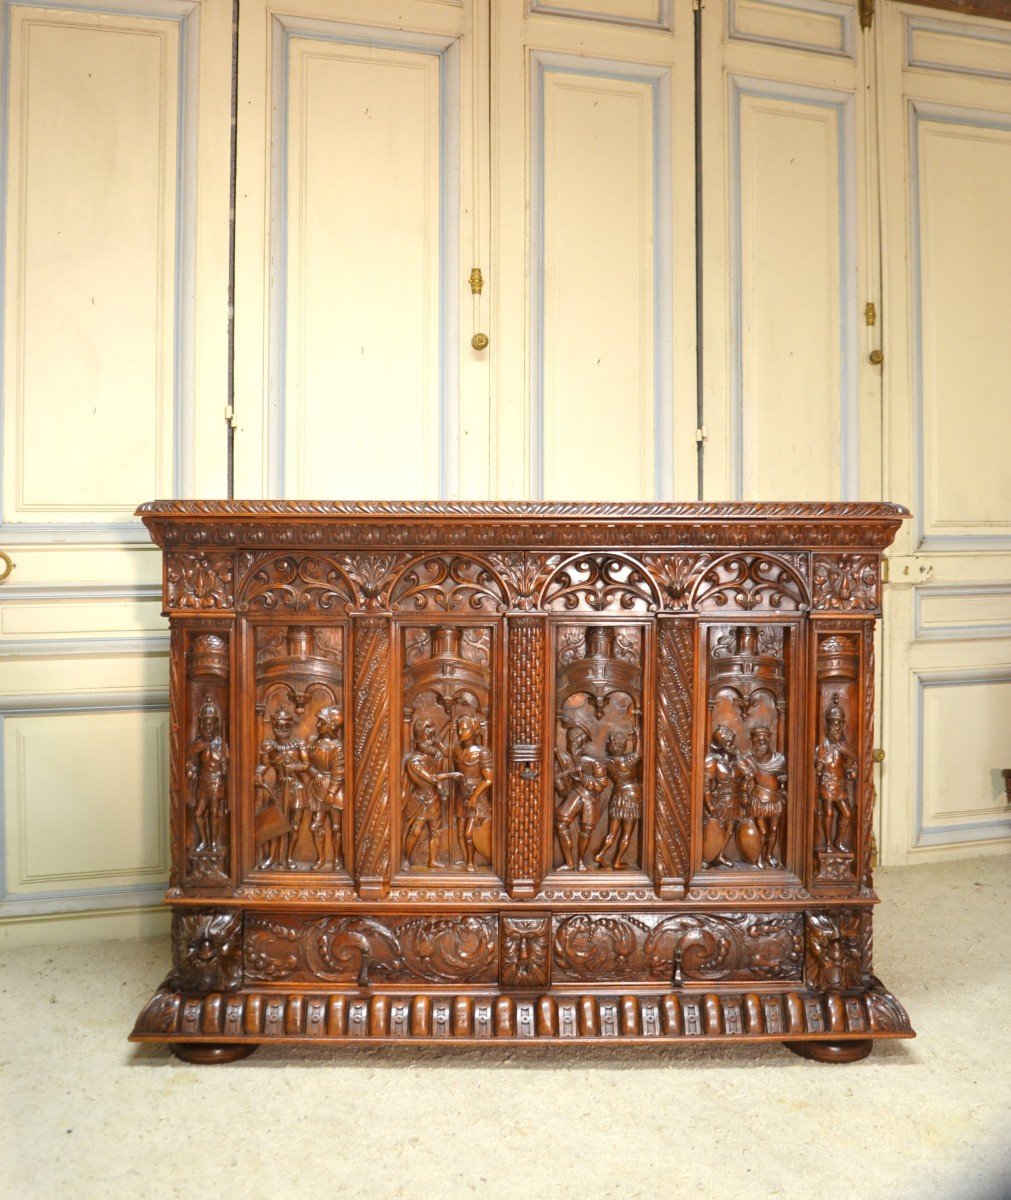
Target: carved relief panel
299,777
449,786
836,768
745,775
598,748
205,783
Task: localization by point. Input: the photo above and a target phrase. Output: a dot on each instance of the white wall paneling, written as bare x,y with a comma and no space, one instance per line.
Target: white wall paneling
649,14
962,610
600,279
981,49
817,26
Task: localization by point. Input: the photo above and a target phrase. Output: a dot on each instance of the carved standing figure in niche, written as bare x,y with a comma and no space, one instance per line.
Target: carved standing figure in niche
423,808
473,762
768,795
728,782
325,750
286,757
579,781
835,766
206,768
624,806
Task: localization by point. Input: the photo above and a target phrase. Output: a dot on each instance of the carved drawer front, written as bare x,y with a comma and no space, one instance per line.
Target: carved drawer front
656,948
370,951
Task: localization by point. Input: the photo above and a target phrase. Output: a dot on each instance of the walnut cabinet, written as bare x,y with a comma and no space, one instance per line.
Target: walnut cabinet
521,772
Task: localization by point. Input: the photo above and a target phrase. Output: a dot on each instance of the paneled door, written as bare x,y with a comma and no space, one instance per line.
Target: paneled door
361,214
113,392
593,260
945,97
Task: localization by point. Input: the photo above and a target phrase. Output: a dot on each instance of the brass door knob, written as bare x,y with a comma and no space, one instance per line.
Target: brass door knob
479,341
6,565
878,755
877,357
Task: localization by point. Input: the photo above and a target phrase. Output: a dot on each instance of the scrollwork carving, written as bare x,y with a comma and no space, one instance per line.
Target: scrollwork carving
448,584
292,584
750,582
600,583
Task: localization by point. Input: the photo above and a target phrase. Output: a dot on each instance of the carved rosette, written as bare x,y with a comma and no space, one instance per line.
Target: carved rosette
198,582
649,947
207,951
362,951
526,641
847,583
371,691
675,672
525,951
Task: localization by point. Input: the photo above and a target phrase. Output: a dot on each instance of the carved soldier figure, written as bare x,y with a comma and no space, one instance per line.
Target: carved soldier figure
473,762
728,781
423,807
624,805
835,766
768,795
207,767
579,780
285,755
325,751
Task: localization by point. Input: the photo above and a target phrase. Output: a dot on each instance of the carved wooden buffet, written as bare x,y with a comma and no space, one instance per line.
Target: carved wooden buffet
521,773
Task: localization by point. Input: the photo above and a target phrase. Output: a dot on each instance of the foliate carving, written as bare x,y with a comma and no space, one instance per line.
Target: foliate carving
207,951
299,780
286,583
600,583
372,575
675,673
448,583
368,950
649,947
525,725
838,950
748,582
745,772
885,1013
448,768
675,575
846,582
199,582
598,747
525,951
520,572
372,750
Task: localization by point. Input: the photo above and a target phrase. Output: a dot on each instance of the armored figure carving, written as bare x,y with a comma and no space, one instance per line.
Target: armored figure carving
728,784
624,806
835,766
472,760
767,798
207,768
286,756
423,807
579,781
325,751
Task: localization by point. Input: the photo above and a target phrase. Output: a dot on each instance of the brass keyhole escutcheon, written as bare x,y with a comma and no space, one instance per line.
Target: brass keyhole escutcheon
479,341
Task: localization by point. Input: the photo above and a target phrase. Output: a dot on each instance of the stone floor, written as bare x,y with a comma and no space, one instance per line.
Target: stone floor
88,1115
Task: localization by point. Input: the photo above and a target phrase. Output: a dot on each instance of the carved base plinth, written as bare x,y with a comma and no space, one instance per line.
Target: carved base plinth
835,865
247,1017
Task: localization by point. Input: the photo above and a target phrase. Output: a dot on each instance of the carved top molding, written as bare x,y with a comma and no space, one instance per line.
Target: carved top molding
199,524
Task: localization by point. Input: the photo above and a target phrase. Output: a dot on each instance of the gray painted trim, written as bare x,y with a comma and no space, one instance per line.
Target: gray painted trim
283,30
919,111
966,831
664,7
29,593
844,14
155,646
186,14
849,395
659,78
970,33
69,903
960,633
149,700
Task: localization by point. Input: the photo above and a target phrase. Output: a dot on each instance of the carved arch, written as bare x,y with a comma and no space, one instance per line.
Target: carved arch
601,583
292,583
449,583
746,582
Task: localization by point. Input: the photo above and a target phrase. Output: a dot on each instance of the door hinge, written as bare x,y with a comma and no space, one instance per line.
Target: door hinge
866,10
870,313
701,434
230,417
476,281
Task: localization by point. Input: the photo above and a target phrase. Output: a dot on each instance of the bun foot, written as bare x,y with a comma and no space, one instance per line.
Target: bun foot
206,1053
851,1050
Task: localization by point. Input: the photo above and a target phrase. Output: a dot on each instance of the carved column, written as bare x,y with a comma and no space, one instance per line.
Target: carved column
177,770
675,673
526,731
371,690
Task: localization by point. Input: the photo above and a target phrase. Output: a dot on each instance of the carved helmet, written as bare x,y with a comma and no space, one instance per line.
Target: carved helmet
208,709
834,711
